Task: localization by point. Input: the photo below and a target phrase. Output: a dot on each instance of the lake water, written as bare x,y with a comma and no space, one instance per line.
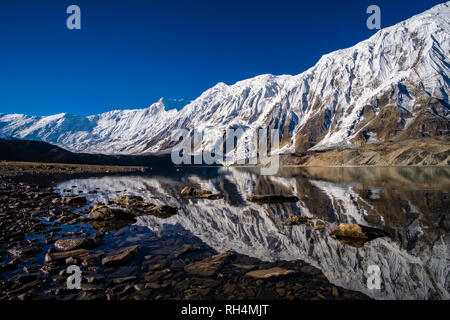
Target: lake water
411,204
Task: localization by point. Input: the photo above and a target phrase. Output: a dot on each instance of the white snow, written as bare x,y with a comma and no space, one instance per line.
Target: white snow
396,60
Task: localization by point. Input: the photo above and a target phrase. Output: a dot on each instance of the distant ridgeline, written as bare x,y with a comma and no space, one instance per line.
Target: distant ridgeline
37,151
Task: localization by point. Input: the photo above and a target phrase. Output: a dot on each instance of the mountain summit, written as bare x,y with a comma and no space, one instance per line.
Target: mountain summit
392,87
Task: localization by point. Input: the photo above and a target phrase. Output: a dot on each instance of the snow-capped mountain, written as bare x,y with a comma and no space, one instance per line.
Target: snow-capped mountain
393,86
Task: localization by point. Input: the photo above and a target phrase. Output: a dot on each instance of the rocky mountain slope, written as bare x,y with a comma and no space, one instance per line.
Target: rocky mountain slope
389,88
419,152
38,151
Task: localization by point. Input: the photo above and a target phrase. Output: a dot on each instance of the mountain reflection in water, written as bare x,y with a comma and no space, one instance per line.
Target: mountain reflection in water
409,203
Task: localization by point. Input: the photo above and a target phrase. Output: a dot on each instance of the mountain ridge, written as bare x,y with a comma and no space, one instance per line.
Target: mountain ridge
393,86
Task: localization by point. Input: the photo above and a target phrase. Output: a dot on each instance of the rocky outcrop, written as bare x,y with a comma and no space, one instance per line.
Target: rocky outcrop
195,193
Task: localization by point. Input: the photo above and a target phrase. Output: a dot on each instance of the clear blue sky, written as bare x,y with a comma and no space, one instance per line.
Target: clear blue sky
130,53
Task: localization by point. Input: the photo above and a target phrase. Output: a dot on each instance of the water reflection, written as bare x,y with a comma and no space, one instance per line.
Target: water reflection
409,203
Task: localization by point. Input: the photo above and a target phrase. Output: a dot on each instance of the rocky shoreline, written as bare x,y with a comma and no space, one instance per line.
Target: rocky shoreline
42,234
14,169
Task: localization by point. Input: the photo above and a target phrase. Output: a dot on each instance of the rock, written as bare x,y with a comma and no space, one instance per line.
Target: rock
207,267
204,291
75,243
244,266
349,231
89,287
127,201
335,292
268,273
72,261
9,266
120,258
187,248
374,233
91,259
356,235
195,193
281,291
110,224
272,198
156,276
119,233
137,207
101,212
320,296
163,211
124,279
78,201
319,224
229,288
28,251
153,286
295,221
25,287
61,256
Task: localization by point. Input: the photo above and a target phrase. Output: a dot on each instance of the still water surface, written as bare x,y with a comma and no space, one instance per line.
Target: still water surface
411,204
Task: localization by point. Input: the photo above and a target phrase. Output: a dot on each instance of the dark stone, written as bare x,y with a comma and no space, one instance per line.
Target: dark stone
272,198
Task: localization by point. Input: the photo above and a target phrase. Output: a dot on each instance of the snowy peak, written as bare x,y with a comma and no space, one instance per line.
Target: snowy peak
391,87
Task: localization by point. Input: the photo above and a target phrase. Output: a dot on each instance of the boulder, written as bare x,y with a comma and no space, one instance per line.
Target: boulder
101,212
272,198
356,235
78,201
345,230
195,193
105,226
295,221
207,267
71,244
135,206
268,273
127,200
76,243
121,257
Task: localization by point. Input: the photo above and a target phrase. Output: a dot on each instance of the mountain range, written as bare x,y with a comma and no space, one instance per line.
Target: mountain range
390,88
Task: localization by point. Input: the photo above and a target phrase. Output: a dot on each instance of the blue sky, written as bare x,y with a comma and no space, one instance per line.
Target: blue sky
130,53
